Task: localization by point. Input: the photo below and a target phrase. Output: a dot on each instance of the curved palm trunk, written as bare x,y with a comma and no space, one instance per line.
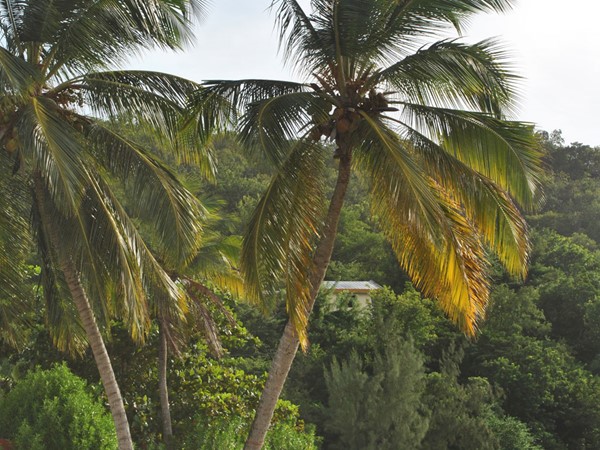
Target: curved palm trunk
288,344
103,363
86,315
163,352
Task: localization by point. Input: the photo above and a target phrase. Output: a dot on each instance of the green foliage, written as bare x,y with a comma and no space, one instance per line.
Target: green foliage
515,313
567,276
549,391
358,393
407,315
242,179
573,191
201,386
389,324
230,434
454,412
218,389
511,434
54,410
543,385
361,251
529,381
457,413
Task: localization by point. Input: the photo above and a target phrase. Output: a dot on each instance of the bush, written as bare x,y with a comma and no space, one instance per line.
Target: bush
230,434
511,433
52,410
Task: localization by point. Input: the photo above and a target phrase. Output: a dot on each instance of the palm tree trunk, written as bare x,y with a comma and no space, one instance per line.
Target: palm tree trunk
162,387
86,315
115,401
289,342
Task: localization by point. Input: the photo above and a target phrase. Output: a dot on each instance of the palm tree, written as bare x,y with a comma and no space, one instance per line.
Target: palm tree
426,124
57,94
213,267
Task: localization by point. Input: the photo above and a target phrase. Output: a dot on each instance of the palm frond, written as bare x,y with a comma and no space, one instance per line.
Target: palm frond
504,151
217,261
201,296
334,35
54,149
113,252
150,98
279,241
351,25
93,34
433,239
116,268
272,124
13,320
487,206
61,315
353,34
407,23
16,75
40,20
133,273
455,75
241,93
10,15
449,264
15,245
68,156
218,104
165,22
298,38
160,198
387,159
208,113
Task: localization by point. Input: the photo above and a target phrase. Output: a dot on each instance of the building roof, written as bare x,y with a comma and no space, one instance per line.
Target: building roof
351,286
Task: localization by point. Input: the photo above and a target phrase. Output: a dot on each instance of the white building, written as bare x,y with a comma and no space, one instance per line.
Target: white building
360,290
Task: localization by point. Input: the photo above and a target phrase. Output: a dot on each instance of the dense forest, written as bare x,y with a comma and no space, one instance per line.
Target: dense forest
397,375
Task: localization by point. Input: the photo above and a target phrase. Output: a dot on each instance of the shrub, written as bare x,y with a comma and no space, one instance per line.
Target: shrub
52,410
230,434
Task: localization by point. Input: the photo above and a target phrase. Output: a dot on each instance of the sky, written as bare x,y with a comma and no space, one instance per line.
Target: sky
555,46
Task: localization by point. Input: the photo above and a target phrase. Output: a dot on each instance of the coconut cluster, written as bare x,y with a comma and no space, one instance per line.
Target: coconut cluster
355,105
8,133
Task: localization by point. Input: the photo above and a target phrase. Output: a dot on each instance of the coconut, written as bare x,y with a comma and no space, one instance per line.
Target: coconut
11,145
343,125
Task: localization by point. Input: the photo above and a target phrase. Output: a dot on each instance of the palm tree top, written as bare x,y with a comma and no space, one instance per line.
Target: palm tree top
357,34
76,35
58,100
424,118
